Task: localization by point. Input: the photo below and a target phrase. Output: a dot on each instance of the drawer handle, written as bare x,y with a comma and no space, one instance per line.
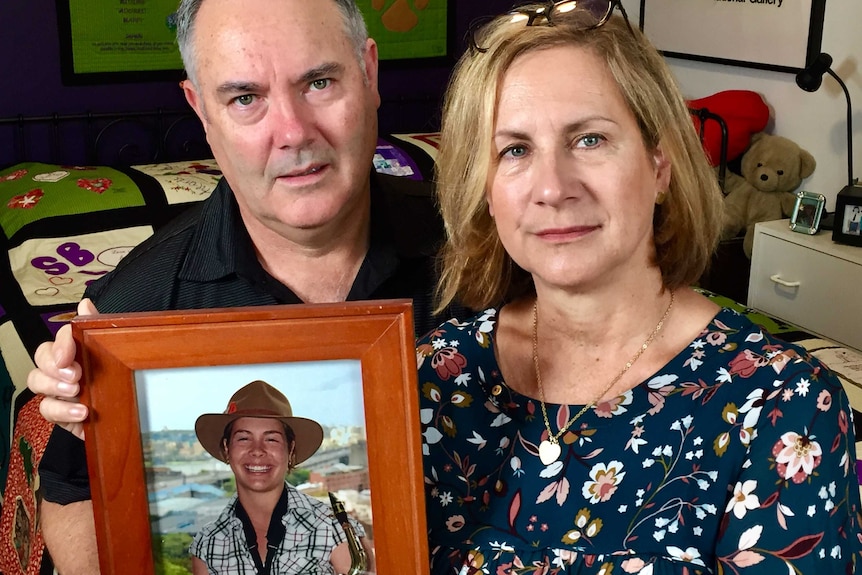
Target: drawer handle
777,279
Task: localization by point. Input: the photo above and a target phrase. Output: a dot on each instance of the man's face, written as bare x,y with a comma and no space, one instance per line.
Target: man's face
289,110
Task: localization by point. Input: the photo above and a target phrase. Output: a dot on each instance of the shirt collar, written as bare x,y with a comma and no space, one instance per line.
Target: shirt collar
220,244
291,503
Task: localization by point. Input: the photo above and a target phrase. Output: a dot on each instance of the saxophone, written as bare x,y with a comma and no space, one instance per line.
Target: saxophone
358,556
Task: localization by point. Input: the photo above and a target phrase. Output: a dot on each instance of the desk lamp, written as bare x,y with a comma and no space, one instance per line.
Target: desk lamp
809,80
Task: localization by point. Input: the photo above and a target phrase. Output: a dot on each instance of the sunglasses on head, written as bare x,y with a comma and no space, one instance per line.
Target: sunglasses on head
594,12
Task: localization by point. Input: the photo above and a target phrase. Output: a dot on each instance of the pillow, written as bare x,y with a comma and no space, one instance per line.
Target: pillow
745,114
410,155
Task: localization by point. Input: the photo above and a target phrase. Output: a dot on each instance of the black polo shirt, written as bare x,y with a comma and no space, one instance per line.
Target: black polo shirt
206,259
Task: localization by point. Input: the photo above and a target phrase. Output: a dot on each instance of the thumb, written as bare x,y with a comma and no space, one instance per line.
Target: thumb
86,307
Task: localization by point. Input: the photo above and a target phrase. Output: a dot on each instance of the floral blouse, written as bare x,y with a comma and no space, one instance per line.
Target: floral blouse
736,458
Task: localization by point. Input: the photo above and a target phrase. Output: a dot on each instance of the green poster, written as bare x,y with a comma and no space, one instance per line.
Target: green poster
123,35
140,35
407,28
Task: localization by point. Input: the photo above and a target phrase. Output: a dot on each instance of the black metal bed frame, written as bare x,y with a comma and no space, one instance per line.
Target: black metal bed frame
121,138
160,135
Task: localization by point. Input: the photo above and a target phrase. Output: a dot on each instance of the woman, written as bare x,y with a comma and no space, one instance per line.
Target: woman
606,418
268,527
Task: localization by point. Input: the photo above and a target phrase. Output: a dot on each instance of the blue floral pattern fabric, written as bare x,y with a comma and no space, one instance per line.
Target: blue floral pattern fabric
737,457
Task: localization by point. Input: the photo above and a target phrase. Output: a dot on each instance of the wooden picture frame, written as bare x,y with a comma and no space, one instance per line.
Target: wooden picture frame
737,32
113,347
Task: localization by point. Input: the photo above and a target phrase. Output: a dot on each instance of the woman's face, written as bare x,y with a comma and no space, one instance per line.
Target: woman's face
258,452
572,187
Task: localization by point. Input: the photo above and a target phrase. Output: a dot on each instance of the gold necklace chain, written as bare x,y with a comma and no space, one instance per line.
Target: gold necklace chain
553,438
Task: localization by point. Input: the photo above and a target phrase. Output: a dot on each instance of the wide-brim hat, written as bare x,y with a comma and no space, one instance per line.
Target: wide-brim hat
258,399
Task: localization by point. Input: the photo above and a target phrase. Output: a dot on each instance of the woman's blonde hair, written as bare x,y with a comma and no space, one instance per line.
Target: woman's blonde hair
476,270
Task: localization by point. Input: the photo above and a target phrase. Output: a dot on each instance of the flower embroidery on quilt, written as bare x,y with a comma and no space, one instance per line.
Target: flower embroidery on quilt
17,174
26,201
98,185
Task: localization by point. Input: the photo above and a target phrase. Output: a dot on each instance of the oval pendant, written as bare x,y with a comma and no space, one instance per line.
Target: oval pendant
549,452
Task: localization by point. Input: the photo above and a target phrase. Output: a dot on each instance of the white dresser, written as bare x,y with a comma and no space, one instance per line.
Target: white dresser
808,281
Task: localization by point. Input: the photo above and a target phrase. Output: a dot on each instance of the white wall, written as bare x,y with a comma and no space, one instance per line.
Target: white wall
816,121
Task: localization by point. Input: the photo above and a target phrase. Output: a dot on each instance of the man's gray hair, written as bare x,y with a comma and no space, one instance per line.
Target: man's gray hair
354,27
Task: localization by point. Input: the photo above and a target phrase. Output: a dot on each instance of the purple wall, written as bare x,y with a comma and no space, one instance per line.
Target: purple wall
30,70
30,81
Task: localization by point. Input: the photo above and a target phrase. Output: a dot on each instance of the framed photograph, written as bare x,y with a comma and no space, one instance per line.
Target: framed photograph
737,32
147,376
847,227
807,212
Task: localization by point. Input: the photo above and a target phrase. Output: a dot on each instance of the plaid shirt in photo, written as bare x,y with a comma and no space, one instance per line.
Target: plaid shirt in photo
311,532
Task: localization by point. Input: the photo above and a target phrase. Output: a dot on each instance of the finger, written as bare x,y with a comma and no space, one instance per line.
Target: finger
86,307
41,382
63,351
62,412
47,364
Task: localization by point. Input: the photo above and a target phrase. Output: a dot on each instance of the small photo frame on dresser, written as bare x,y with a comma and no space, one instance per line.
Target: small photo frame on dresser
807,212
848,216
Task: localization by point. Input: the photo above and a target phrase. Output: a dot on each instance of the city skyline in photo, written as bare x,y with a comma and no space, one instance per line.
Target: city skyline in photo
330,392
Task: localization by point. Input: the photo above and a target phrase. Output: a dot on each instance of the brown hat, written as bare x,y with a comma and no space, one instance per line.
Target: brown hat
258,399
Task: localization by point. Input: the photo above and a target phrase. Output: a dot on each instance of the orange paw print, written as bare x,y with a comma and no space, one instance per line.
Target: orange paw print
399,16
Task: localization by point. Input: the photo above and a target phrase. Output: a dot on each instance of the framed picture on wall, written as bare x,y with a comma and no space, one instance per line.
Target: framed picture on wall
406,30
135,40
780,35
118,41
349,367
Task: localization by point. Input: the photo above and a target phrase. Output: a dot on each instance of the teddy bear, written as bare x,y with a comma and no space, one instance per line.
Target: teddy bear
772,168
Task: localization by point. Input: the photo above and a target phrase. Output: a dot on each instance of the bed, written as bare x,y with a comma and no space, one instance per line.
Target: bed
77,193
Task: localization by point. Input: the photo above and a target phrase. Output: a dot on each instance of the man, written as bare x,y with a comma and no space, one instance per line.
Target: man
287,93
